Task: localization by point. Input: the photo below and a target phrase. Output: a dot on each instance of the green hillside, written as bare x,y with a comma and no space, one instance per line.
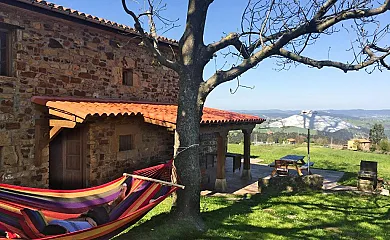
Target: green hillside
324,158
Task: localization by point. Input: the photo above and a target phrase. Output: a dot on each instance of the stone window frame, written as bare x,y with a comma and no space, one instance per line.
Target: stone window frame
128,77
126,142
127,126
13,33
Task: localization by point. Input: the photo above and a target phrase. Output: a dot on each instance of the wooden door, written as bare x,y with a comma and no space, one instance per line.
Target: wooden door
73,160
67,160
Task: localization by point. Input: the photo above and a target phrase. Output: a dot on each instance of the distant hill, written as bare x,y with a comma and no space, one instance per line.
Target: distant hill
364,119
271,113
316,121
349,113
361,113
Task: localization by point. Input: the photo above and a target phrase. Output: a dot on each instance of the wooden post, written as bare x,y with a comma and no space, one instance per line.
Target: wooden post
54,131
220,181
246,171
41,140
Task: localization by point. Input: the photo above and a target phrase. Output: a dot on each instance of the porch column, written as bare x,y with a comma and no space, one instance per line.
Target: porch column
220,181
246,171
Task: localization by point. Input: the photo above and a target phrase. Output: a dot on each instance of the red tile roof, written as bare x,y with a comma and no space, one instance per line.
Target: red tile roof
89,18
155,113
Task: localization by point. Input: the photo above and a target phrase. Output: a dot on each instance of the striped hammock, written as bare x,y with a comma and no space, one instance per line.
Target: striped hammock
147,188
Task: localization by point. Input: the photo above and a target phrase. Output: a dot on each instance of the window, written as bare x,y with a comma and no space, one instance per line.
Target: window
7,33
126,143
127,77
4,63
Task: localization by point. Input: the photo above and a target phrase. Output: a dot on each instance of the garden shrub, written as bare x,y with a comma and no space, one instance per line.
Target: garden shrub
384,145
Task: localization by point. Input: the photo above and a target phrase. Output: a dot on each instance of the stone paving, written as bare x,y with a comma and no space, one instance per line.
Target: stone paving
238,186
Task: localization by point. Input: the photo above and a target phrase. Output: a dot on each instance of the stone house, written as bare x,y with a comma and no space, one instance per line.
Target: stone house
291,141
82,101
359,144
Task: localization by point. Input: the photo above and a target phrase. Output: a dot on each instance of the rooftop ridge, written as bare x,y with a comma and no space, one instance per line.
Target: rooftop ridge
90,18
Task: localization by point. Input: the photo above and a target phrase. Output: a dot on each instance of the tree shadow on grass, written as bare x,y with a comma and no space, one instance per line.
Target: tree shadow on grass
349,179
162,226
342,207
339,166
326,216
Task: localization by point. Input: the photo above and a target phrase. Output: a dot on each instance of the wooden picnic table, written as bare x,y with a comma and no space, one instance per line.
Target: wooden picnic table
294,162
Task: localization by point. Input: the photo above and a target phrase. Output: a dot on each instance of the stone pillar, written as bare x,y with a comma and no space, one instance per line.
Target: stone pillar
220,181
246,171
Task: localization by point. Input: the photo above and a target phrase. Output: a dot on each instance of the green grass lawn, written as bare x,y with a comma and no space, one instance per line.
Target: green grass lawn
310,215
307,215
324,158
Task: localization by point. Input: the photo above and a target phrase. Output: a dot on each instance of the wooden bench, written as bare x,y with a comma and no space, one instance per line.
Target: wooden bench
307,165
281,167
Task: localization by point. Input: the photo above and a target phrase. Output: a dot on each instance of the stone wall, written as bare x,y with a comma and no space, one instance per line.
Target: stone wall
290,183
17,139
208,144
153,144
56,57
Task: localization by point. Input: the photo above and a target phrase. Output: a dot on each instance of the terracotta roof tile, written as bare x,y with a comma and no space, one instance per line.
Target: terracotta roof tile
88,17
155,113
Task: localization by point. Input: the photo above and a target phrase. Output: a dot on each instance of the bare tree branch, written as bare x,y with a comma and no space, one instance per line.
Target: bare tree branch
318,24
234,72
352,14
147,39
327,63
324,9
265,39
233,39
317,27
384,64
265,22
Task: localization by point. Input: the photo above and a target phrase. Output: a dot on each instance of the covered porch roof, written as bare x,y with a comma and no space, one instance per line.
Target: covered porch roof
67,112
77,110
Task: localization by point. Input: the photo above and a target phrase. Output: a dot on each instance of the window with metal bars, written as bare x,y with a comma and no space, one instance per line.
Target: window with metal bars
126,142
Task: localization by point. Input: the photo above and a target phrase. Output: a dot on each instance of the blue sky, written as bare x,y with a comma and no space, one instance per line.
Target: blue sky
298,88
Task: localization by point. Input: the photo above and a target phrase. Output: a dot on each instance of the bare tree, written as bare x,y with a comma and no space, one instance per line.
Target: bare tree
269,29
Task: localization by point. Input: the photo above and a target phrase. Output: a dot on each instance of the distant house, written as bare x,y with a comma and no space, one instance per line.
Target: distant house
359,144
291,141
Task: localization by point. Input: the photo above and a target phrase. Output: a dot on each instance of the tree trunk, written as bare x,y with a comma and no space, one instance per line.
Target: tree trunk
187,141
190,106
